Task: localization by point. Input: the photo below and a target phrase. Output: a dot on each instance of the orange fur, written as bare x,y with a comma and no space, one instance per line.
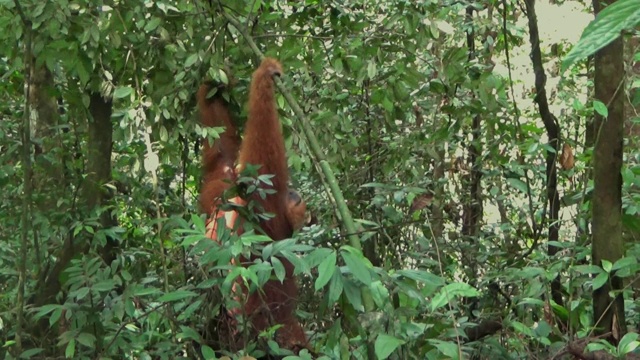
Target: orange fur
218,160
296,210
263,145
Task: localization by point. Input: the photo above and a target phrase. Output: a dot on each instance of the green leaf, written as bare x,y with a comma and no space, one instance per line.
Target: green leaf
599,346
87,339
229,280
338,66
559,310
628,343
461,289
607,265
191,60
278,268
449,292
522,328
122,91
44,310
315,257
70,350
83,73
600,108
199,223
543,329
336,286
385,345
387,104
223,77
86,100
164,135
208,352
55,316
192,239
39,9
152,24
106,285
281,246
587,269
447,348
600,280
142,291
624,262
30,353
423,276
82,293
176,295
188,333
518,184
353,294
379,293
299,265
357,267
95,34
325,270
255,6
531,301
621,15
129,307
372,69
250,239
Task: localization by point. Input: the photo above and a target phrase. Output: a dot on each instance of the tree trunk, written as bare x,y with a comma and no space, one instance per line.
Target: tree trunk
93,196
371,245
472,206
99,166
607,192
553,133
49,176
632,132
47,180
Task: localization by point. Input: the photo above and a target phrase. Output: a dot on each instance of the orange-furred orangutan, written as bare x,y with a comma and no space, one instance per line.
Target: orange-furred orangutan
263,145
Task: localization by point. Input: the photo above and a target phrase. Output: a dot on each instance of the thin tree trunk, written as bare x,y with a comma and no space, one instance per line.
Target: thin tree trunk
607,192
26,201
553,133
472,207
371,245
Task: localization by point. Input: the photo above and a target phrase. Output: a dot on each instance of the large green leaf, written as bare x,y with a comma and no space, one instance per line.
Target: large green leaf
607,26
385,345
326,269
356,264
